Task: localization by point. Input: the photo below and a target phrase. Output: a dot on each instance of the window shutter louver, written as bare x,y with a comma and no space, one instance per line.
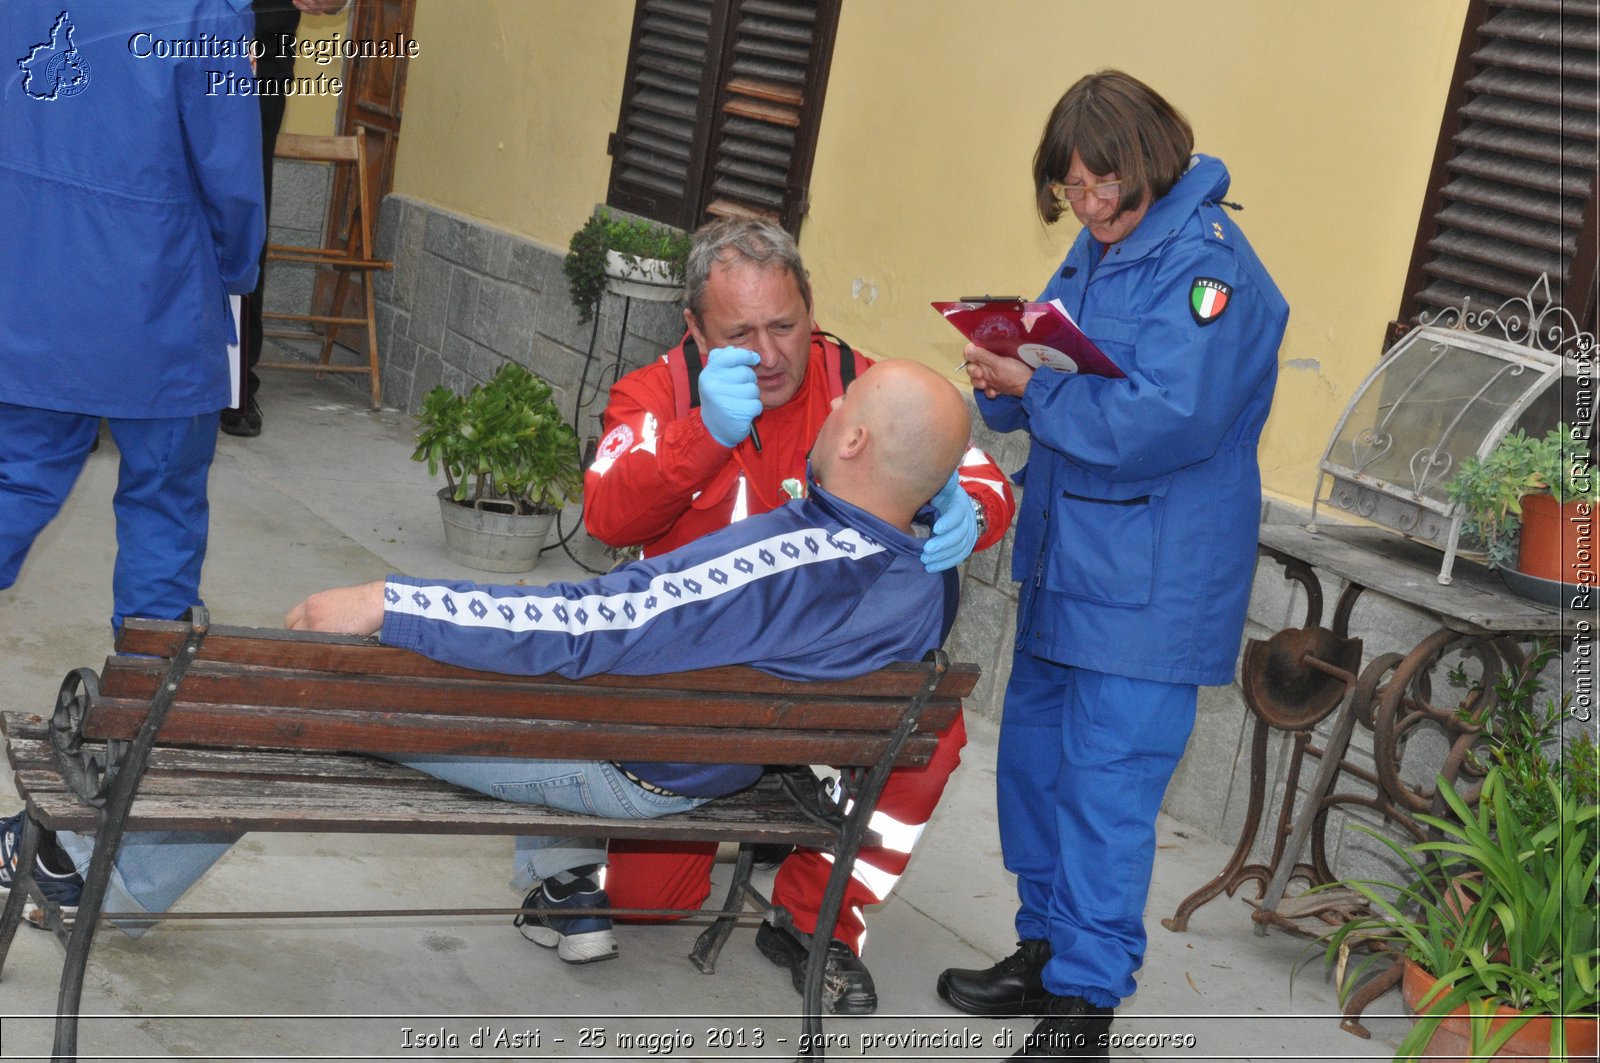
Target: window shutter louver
721,109
766,127
1511,195
659,148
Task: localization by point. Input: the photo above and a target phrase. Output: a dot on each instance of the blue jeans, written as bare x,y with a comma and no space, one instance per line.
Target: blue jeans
154,868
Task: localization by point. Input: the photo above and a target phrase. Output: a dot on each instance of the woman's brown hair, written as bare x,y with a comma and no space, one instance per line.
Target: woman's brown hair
1116,124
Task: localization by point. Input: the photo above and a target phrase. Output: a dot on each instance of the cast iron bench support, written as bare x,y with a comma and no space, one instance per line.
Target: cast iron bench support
237,729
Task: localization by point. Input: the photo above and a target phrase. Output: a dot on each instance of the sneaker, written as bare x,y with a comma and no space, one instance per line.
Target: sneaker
1011,988
64,890
246,423
847,987
1072,1028
576,938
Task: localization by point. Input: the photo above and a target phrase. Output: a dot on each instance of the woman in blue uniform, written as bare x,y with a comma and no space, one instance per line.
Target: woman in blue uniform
1135,545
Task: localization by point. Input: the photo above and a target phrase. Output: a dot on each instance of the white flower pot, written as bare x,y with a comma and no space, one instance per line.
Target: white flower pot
641,278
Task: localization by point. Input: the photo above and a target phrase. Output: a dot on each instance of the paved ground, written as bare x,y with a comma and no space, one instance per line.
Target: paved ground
327,496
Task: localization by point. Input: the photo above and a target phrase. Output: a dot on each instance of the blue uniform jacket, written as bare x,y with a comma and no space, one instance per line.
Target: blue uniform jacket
816,589
130,203
1136,540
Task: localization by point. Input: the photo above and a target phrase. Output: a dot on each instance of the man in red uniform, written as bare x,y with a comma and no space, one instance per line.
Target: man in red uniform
718,430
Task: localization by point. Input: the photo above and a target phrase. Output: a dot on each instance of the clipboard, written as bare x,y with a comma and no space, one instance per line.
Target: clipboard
1041,335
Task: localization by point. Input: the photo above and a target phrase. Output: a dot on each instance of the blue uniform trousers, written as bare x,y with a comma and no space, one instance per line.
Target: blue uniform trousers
1084,760
161,508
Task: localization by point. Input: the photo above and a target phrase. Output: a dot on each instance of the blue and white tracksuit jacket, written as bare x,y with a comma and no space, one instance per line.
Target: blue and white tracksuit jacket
816,589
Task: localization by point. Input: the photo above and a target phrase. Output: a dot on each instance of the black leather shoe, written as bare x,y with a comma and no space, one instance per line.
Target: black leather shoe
768,855
1072,1028
1011,988
246,424
847,987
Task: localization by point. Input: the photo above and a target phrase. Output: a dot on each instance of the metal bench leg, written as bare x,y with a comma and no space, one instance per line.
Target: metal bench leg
850,835
113,795
708,946
849,845
827,918
107,842
21,882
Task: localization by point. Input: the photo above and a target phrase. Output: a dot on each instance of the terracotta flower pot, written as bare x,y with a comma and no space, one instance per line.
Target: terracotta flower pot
1452,1041
1557,541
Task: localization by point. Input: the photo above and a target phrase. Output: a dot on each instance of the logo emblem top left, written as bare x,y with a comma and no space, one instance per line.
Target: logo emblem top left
55,69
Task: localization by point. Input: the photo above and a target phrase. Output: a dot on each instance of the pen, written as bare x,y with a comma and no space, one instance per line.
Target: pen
755,437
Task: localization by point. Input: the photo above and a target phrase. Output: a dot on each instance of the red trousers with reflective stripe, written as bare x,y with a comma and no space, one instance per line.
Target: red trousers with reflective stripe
678,874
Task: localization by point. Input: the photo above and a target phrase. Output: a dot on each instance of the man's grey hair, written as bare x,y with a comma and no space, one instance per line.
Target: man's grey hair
727,240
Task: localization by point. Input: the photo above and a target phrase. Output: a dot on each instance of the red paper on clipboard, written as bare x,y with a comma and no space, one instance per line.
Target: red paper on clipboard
1040,334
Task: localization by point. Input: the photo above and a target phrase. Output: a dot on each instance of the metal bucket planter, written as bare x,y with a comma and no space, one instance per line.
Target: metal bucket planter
492,540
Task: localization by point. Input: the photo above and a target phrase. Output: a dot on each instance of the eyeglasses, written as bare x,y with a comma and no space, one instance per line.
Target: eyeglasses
1075,193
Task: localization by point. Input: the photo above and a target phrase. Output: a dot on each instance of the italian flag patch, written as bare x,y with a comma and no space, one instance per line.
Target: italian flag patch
1208,298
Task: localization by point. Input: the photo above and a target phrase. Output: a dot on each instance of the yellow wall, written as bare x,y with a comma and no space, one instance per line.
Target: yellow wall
509,106
317,115
1326,113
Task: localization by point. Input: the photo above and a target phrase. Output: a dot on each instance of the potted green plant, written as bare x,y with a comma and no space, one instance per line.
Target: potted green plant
1496,912
1530,502
632,256
1517,735
510,462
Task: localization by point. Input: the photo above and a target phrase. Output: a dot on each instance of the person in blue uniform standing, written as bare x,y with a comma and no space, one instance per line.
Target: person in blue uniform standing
1135,545
130,207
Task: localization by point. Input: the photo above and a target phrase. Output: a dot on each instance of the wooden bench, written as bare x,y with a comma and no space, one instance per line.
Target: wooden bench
239,729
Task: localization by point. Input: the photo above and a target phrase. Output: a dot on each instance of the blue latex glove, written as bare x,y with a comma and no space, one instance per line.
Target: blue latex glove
955,532
729,397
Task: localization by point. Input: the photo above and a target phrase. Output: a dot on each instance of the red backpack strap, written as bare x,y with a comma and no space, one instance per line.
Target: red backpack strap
684,362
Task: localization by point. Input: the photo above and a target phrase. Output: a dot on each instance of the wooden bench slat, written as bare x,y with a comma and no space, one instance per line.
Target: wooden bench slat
407,733
28,746
195,789
363,655
231,684
176,803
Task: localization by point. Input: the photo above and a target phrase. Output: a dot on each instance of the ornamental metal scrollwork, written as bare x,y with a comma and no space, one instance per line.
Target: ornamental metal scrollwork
1430,463
1368,446
88,770
1533,320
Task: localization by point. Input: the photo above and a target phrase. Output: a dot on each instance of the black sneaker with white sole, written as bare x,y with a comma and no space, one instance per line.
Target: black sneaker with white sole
576,938
64,888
